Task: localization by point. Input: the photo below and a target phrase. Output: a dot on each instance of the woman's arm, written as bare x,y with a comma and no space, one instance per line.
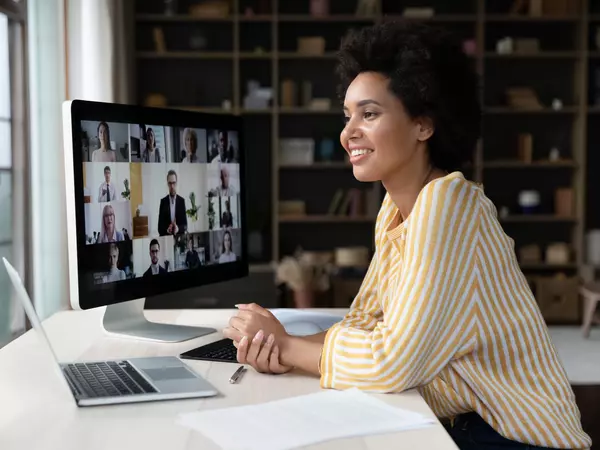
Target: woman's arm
428,319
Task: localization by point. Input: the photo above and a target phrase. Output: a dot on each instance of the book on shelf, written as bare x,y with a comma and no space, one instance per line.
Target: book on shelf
348,203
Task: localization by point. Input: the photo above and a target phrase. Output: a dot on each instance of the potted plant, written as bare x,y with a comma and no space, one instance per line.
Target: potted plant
192,213
126,194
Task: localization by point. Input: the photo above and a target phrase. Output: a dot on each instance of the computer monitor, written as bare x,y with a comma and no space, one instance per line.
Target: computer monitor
155,204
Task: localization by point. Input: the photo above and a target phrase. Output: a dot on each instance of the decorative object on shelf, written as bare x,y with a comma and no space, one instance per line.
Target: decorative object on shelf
320,104
216,9
418,13
288,93
469,47
159,40
258,97
530,254
523,98
558,297
504,212
354,257
563,202
558,253
192,212
557,104
554,155
529,201
326,150
319,8
138,211
368,8
505,46
297,151
527,45
311,45
347,203
198,40
226,105
525,147
306,93
126,194
170,7
593,247
292,208
155,100
535,8
305,273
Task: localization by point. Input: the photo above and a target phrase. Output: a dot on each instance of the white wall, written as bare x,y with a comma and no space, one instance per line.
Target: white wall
190,178
119,137
93,217
141,254
119,172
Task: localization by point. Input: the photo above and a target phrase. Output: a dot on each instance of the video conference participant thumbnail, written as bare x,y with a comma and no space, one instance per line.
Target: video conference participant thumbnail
223,179
112,262
150,143
173,195
230,212
153,256
192,251
226,245
223,146
189,145
107,222
104,141
105,182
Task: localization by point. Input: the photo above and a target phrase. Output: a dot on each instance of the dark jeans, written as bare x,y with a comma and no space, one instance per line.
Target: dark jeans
471,432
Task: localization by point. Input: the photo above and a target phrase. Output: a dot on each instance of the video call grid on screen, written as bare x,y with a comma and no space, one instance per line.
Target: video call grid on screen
158,199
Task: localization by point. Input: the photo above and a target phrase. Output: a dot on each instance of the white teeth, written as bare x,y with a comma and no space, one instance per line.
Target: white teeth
361,151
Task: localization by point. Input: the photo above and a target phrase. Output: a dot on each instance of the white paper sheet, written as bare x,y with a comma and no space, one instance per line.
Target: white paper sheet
300,421
303,323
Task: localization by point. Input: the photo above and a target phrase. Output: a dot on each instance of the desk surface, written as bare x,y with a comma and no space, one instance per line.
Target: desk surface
37,413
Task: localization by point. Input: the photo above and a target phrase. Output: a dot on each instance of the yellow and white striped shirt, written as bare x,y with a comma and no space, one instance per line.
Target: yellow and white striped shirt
445,308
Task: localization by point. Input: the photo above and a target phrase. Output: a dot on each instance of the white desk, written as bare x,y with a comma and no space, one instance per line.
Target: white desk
36,413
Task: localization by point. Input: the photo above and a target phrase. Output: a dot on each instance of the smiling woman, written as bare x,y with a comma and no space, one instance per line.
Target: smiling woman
444,307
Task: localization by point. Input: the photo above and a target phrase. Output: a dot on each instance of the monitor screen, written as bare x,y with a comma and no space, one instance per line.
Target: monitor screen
159,196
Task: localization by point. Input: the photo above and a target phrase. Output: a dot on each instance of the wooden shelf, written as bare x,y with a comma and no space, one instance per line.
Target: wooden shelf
325,219
308,111
533,165
179,18
524,18
185,55
543,111
533,218
329,18
547,266
435,18
534,55
296,55
317,166
256,18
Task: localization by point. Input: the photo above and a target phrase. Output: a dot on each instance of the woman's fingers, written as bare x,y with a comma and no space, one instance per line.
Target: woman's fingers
262,361
233,334
254,348
274,365
242,350
237,323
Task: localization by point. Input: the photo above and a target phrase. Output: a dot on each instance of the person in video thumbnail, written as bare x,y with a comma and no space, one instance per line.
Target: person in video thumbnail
227,217
109,232
106,191
224,189
114,273
192,259
104,153
152,152
227,254
172,219
222,148
190,142
155,267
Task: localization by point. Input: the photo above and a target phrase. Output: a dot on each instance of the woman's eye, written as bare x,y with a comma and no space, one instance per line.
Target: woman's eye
369,115
346,119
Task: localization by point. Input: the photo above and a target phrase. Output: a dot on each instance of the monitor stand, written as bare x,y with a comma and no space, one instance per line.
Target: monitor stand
128,319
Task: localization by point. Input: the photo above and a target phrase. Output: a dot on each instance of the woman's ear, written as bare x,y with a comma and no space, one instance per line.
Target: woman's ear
425,128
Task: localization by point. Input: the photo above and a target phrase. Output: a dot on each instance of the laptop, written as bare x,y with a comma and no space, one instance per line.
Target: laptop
118,381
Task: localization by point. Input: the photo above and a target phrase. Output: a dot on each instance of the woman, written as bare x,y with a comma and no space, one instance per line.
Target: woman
113,274
109,231
152,153
104,153
190,141
227,254
444,306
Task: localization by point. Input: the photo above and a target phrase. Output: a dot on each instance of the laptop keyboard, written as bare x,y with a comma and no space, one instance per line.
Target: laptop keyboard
106,379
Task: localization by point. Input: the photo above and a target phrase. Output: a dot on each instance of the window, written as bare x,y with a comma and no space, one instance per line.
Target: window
13,159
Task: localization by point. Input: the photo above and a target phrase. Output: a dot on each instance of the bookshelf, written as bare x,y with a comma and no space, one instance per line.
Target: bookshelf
262,47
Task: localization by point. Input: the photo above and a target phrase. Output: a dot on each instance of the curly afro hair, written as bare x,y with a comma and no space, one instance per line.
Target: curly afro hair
429,73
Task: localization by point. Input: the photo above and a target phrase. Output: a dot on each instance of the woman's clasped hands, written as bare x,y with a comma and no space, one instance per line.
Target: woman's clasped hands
258,337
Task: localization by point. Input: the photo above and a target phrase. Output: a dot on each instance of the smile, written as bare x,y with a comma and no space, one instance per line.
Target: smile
359,154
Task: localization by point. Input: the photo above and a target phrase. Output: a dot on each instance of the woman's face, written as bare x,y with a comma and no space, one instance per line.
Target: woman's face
190,143
109,219
151,139
227,242
379,135
113,258
103,135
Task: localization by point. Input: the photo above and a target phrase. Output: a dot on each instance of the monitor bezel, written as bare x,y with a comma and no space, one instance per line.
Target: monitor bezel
84,296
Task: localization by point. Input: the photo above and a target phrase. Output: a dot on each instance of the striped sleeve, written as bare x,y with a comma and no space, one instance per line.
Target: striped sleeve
426,322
